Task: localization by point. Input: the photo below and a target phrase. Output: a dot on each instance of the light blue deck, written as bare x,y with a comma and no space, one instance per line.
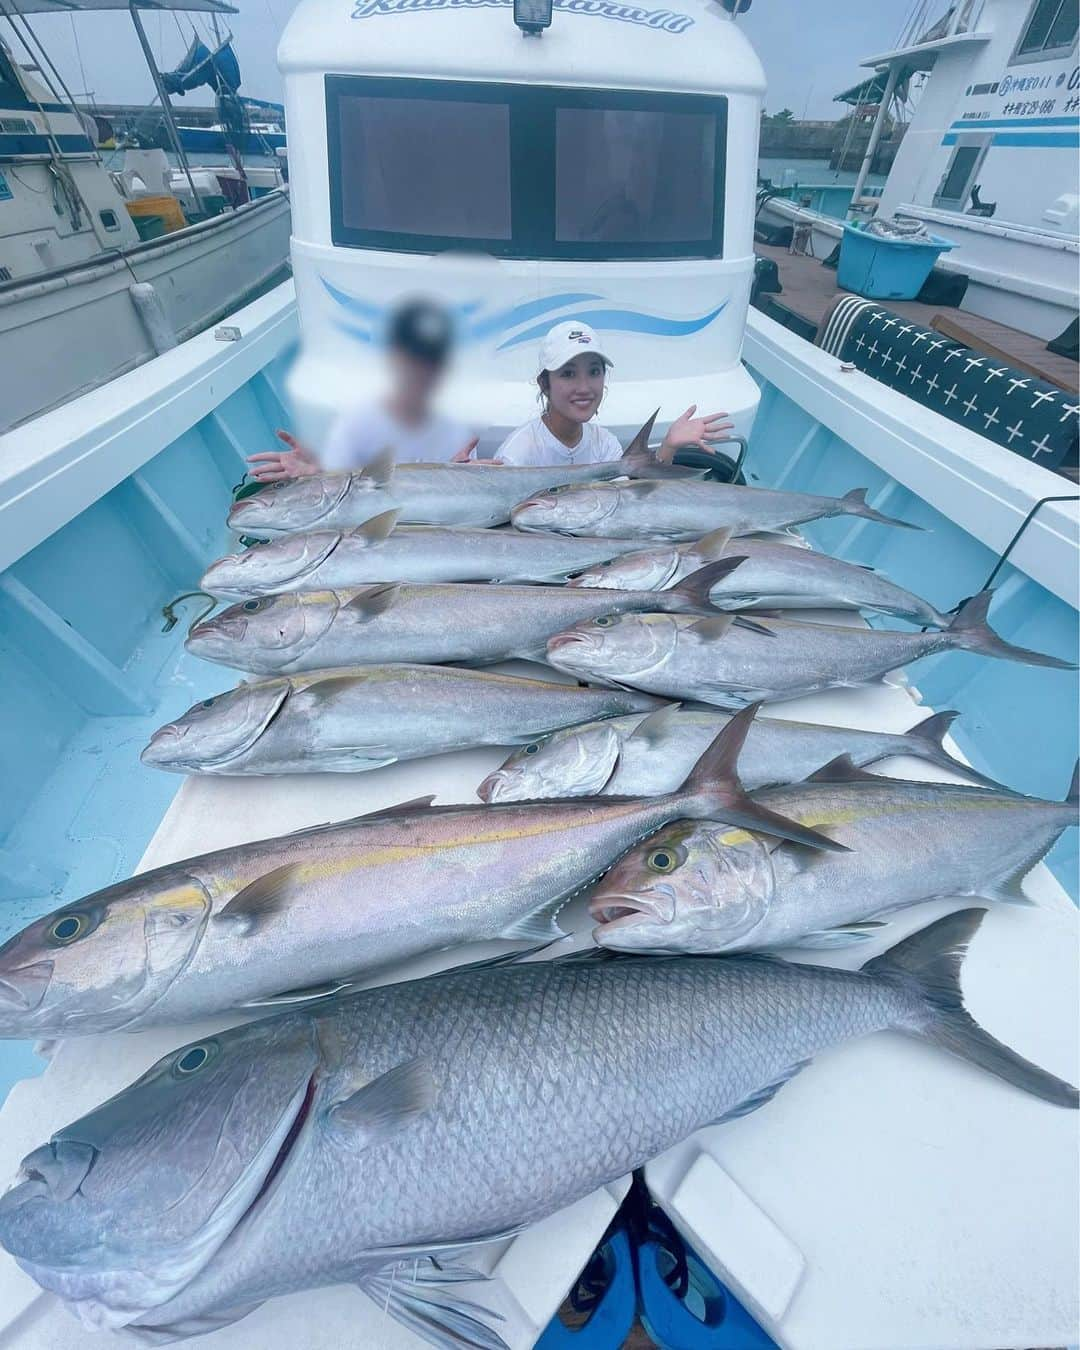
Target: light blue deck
86,672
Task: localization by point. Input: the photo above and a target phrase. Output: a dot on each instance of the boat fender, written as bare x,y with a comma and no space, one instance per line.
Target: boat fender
152,315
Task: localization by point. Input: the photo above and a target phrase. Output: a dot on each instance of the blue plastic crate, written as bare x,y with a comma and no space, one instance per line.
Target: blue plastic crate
886,269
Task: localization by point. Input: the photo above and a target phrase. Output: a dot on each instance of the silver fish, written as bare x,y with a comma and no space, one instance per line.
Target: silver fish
641,755
700,886
425,494
771,576
340,559
302,914
315,630
728,663
345,721
379,1138
681,510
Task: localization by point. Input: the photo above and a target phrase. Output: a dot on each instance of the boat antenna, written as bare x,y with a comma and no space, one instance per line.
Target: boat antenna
166,106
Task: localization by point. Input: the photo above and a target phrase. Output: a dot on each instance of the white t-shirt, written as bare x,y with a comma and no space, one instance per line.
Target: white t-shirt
533,443
359,434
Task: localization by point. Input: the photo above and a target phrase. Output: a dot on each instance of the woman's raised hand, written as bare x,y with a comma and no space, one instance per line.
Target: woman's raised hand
270,466
692,430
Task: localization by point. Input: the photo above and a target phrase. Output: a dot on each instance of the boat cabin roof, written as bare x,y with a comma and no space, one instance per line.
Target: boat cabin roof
693,46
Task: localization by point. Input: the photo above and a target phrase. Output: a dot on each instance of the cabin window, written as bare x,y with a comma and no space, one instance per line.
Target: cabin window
524,171
967,157
1050,32
630,176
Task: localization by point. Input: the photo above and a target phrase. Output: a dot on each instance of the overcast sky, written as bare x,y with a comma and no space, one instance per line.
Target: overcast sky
810,48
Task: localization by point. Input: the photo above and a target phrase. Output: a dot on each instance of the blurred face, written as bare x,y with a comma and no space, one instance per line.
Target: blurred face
414,380
575,389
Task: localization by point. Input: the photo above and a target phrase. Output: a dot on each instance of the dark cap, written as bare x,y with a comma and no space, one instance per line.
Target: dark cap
422,329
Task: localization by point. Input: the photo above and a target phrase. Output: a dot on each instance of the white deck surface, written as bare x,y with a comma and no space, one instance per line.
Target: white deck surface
889,1197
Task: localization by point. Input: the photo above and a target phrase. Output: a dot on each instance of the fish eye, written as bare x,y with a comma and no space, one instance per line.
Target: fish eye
207,703
192,1059
661,860
251,606
605,621
67,928
532,749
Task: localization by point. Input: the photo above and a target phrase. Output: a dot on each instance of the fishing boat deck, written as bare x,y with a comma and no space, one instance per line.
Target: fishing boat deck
749,1204
810,291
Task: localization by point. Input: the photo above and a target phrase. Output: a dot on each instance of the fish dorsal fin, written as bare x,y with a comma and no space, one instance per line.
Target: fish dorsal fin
378,528
713,627
843,769
763,1095
261,899
371,601
380,468
691,595
711,546
376,1112
640,444
659,724
401,809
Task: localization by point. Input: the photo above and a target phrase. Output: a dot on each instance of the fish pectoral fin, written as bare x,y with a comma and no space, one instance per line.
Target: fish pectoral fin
291,997
375,1112
263,898
763,1095
843,935
371,601
435,1251
438,1315
741,621
539,925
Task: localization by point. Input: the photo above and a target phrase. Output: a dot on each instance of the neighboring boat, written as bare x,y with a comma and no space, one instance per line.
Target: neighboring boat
102,271
988,160
265,138
112,504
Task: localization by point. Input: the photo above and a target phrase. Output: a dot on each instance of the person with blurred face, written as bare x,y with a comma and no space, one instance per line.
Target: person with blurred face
405,422
571,378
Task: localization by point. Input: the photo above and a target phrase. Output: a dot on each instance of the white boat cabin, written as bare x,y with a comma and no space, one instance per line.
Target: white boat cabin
604,170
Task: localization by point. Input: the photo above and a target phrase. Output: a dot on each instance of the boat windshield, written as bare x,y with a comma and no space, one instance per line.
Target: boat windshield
525,171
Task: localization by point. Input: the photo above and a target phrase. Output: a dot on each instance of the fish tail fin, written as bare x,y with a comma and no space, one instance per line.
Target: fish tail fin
712,789
855,504
925,742
927,964
970,631
691,595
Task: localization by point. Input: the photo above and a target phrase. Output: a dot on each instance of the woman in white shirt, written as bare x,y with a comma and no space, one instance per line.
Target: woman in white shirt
571,380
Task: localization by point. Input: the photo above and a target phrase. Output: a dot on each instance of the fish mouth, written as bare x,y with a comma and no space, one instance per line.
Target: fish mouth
493,786
561,640
231,631
22,990
622,910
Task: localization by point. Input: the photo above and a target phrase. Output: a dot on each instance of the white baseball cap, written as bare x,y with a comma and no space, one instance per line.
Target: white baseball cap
567,340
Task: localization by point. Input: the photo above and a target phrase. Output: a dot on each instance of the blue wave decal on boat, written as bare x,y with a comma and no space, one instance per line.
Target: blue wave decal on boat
475,326
510,318
666,20
626,321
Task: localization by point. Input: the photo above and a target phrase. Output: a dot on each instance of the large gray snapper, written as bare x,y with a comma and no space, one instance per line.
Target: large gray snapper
771,576
376,1139
424,494
640,755
730,663
687,510
699,886
376,551
301,914
346,721
400,621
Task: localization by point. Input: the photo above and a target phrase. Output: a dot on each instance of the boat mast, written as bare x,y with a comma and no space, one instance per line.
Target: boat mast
166,106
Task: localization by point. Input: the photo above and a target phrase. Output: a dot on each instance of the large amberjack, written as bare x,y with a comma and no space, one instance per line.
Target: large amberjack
347,721
374,1140
400,621
729,662
698,886
302,914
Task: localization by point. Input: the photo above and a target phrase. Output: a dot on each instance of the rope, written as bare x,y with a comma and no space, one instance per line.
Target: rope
172,618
